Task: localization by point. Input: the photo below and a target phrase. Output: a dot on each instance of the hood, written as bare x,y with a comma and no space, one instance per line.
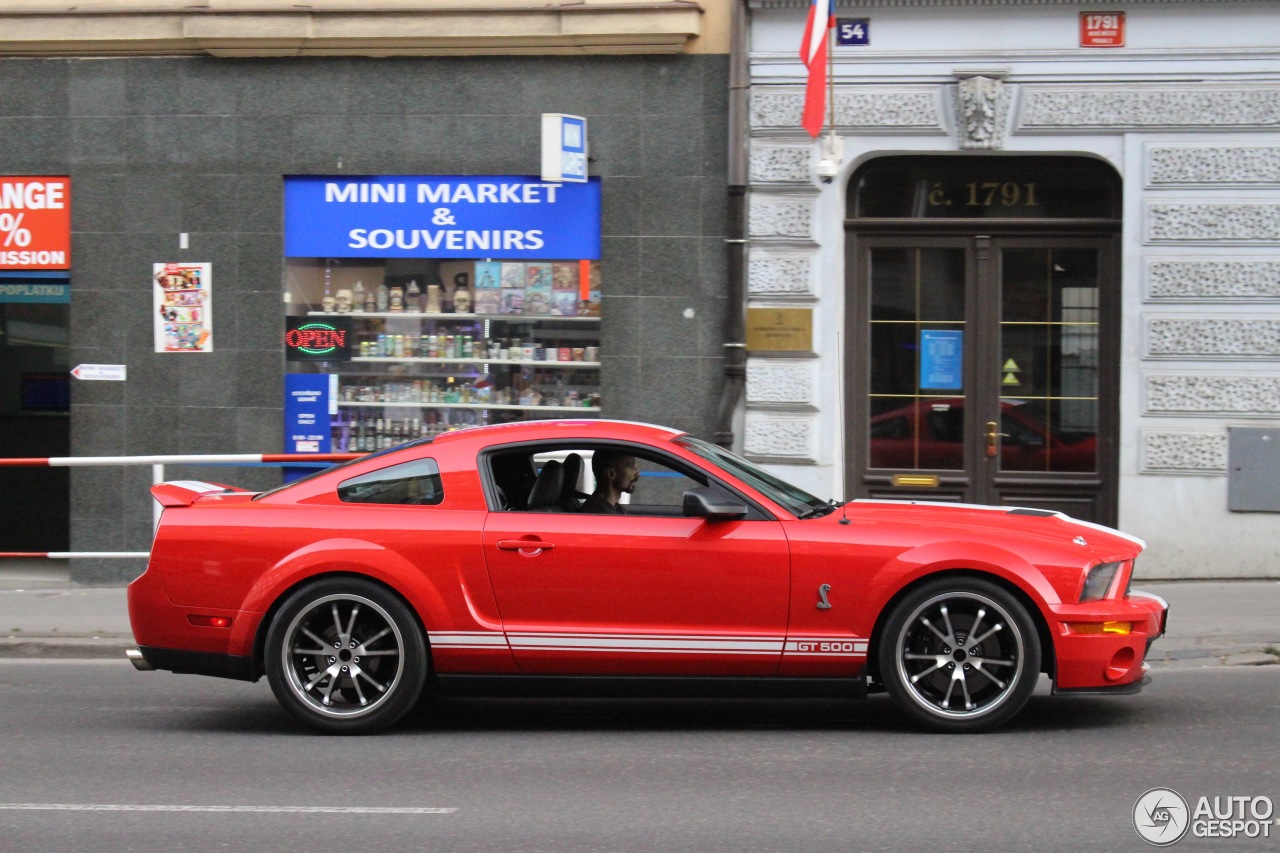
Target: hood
1046,526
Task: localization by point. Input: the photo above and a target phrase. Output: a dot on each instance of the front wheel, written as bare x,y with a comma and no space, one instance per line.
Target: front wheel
960,655
346,656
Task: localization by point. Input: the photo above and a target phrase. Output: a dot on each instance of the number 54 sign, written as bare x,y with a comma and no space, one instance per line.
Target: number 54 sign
853,31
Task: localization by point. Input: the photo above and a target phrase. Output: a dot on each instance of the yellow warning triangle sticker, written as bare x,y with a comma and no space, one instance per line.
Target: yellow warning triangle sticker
1010,379
1011,365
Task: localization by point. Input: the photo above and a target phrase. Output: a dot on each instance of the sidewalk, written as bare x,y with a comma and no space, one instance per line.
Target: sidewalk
1211,623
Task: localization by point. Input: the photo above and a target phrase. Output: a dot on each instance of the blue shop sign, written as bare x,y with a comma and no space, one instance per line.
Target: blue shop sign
307,404
500,217
50,288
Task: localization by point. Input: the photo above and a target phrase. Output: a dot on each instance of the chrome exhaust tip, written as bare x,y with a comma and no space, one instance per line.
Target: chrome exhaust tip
139,662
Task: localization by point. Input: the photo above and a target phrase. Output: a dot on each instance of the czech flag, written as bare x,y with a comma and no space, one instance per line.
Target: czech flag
813,53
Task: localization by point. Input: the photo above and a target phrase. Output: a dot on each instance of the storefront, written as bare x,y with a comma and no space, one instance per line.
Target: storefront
35,394
1041,272
417,305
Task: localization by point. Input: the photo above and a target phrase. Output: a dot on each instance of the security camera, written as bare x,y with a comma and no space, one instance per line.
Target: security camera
827,170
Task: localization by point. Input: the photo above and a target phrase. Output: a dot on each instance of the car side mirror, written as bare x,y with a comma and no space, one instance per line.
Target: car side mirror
712,505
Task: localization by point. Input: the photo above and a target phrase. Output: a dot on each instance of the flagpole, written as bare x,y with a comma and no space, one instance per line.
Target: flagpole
831,73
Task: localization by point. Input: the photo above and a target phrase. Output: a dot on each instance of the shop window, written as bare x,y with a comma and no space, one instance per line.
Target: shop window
417,346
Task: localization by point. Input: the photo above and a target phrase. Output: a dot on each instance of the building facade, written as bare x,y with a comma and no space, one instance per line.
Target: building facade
180,128
1045,270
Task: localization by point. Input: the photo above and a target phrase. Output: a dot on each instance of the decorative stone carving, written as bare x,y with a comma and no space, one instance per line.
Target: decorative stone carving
1203,280
1163,106
1184,451
766,435
780,163
1235,223
1191,165
982,106
864,110
1212,338
780,216
1257,396
768,275
770,382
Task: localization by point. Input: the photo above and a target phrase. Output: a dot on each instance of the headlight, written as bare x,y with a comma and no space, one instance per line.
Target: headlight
1099,581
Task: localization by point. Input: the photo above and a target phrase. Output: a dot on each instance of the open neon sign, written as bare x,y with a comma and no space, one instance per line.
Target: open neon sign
313,340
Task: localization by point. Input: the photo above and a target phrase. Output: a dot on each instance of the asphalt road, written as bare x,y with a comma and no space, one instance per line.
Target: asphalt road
515,775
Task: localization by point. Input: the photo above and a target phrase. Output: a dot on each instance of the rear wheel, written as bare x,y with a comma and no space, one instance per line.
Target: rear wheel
960,655
346,656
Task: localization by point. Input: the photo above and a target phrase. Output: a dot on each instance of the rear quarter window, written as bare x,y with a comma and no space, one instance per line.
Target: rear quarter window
415,483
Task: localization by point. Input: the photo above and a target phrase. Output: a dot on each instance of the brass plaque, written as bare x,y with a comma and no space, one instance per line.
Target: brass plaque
780,329
925,480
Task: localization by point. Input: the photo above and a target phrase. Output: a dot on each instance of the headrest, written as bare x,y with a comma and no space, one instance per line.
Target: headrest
546,492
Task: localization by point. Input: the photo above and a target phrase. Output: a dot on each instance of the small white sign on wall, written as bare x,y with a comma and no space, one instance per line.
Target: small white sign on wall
564,148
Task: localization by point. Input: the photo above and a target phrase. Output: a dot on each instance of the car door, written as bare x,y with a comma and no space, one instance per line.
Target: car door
646,593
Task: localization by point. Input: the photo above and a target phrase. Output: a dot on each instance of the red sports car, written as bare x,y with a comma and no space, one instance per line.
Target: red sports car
601,557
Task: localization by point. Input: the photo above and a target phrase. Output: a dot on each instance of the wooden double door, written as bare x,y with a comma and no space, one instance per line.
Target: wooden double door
983,367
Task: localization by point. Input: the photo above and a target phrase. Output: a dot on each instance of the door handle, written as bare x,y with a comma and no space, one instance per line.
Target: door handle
532,547
993,439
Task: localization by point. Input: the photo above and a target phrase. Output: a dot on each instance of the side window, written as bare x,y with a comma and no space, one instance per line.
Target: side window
660,490
415,483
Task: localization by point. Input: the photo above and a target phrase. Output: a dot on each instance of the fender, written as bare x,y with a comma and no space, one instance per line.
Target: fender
356,556
910,566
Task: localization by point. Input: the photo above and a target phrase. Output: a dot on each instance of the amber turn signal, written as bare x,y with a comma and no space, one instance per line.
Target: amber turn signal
1100,627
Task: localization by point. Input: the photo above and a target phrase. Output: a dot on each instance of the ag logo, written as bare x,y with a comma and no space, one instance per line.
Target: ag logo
1161,816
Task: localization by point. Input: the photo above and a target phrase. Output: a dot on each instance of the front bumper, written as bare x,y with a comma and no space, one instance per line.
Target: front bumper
1106,662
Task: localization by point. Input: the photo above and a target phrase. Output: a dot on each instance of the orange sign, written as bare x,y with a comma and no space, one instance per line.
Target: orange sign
1102,29
35,223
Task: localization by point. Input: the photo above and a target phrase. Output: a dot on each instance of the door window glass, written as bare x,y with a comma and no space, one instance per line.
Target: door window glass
917,345
1049,359
562,478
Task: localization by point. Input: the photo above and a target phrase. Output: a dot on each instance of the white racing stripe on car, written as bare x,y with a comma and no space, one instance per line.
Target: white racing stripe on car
116,807
557,641
826,647
467,639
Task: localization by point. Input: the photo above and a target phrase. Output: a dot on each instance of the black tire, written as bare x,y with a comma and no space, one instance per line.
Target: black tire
938,674
346,656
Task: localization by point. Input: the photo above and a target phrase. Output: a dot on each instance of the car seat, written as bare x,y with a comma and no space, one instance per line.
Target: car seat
545,496
570,497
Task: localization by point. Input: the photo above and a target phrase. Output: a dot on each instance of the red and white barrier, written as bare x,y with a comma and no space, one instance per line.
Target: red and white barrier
205,459
157,464
72,555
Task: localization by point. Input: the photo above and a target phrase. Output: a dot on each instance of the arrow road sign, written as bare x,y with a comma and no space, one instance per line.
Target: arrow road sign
100,372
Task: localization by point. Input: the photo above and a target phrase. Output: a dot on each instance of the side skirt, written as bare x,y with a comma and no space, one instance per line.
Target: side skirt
648,687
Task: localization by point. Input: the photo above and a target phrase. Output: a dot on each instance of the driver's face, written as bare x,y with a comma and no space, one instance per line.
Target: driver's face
627,474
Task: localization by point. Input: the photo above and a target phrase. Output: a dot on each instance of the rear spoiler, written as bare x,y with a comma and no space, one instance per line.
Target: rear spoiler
186,492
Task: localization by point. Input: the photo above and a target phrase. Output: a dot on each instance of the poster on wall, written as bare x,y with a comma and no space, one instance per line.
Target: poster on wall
183,307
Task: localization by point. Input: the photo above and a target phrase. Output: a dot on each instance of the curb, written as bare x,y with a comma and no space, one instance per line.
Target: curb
1217,656
80,648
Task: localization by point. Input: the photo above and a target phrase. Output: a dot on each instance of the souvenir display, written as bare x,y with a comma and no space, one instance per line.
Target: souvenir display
529,351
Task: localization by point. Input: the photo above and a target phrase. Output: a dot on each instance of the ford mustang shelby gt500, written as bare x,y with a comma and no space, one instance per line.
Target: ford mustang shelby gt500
470,564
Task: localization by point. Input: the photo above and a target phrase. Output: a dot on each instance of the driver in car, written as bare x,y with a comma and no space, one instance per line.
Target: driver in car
616,473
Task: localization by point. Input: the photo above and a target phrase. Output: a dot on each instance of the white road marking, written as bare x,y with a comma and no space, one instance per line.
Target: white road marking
113,807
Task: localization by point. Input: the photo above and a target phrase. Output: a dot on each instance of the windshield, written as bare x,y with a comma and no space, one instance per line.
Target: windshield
797,501
365,458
